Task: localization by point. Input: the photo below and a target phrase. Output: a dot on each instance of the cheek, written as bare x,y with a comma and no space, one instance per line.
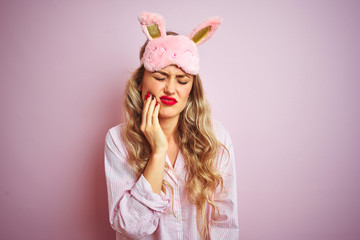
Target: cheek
186,92
152,87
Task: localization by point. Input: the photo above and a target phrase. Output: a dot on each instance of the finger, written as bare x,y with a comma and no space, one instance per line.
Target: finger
150,112
156,113
145,110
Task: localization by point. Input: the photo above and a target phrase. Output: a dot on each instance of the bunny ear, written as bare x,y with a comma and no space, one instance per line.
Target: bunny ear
153,25
205,30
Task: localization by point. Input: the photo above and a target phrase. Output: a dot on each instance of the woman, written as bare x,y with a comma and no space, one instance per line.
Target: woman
170,172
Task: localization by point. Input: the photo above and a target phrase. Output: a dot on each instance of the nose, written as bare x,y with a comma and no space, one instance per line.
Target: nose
170,87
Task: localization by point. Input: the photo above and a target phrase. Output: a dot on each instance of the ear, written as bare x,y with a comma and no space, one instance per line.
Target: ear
153,25
205,30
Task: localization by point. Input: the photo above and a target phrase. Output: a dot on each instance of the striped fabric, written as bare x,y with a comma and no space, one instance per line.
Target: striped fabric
135,212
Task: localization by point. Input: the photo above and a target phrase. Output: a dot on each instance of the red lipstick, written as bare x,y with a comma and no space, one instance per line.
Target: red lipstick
168,100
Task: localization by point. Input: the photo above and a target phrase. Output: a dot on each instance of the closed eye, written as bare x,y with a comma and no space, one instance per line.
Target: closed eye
183,83
159,78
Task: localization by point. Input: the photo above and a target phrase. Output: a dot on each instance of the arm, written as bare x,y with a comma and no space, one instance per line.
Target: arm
134,210
226,226
151,128
135,205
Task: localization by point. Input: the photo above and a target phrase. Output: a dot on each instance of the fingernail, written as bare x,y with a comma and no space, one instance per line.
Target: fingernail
156,104
146,97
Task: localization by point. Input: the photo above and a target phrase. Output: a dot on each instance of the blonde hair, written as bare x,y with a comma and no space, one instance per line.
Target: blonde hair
196,141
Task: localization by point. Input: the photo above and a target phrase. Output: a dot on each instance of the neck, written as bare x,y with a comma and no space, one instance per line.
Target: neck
169,126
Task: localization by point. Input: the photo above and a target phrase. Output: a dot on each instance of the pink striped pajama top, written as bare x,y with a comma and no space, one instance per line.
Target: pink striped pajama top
135,212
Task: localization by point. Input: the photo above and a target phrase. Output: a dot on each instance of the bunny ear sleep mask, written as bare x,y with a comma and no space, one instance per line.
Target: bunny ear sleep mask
164,50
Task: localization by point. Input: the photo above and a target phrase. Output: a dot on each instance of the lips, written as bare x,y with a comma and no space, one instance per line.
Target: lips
168,100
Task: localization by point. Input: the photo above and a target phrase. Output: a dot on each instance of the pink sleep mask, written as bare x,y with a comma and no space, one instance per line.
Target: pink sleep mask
164,50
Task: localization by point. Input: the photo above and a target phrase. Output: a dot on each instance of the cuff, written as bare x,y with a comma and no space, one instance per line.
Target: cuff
143,193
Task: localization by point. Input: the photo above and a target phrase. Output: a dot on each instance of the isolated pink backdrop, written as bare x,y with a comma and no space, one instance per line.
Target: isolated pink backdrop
282,76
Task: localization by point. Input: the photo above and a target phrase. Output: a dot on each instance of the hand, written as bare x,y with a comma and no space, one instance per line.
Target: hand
150,126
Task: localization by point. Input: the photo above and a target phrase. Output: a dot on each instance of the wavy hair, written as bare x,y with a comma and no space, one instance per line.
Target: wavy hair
196,141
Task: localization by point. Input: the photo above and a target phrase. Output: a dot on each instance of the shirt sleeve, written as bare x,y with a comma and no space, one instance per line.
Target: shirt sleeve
225,225
134,210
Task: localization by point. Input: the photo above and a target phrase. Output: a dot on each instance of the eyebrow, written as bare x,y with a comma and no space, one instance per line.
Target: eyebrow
178,75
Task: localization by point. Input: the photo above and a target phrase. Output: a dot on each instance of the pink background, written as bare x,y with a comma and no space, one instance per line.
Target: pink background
282,76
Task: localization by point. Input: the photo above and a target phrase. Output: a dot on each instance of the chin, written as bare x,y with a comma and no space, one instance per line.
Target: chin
164,115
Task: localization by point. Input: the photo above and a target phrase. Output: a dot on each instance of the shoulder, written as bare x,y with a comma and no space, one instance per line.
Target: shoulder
113,137
115,132
221,133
